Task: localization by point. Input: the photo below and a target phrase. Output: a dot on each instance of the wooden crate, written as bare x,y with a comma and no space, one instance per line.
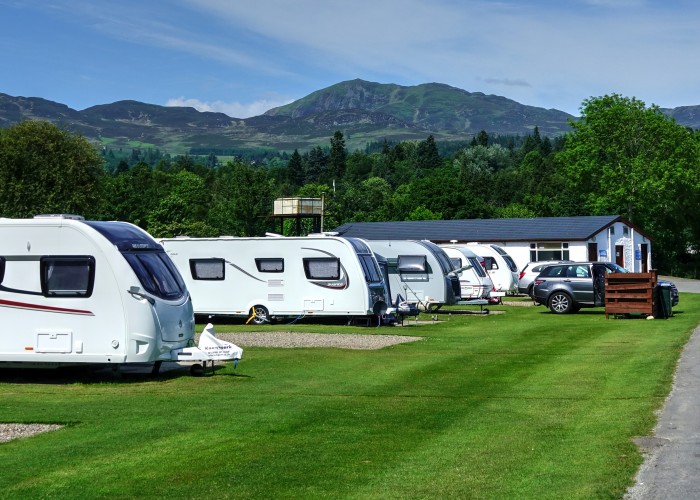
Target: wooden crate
627,293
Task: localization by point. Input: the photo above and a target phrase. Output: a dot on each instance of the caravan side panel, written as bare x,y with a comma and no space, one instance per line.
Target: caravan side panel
277,276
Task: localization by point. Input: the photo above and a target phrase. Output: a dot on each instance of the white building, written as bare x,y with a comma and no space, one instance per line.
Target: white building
607,238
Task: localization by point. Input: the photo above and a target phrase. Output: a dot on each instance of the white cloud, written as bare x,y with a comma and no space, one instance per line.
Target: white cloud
233,109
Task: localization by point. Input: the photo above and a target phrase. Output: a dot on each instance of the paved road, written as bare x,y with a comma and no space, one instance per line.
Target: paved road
671,469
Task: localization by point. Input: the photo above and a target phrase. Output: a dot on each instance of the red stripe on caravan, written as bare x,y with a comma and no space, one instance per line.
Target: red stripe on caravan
39,307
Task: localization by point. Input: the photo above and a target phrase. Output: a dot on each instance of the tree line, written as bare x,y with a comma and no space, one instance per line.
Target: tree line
621,158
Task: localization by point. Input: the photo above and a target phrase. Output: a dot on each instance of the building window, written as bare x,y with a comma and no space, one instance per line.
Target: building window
625,230
549,251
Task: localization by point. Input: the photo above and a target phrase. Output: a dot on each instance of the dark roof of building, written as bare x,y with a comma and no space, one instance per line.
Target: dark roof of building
494,230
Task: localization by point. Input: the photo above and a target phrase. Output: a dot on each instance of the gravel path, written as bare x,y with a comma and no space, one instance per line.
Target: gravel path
295,339
8,432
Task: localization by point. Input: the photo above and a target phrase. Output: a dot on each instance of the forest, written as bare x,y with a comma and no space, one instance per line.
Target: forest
621,158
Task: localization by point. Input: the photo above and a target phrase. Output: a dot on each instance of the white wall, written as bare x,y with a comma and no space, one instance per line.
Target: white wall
578,250
631,241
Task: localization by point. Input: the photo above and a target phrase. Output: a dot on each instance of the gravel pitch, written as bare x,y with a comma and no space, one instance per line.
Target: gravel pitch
295,339
8,432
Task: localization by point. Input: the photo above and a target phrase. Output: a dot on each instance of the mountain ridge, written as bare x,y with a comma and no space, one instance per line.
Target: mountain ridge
364,111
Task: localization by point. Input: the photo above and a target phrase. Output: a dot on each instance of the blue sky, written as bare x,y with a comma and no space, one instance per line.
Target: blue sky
243,57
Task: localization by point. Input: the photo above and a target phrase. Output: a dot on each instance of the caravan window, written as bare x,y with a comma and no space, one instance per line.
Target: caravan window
324,268
476,265
157,274
412,264
490,263
207,269
67,276
370,268
270,265
2,268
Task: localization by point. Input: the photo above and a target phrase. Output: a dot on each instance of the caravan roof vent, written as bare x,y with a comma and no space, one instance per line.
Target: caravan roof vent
60,216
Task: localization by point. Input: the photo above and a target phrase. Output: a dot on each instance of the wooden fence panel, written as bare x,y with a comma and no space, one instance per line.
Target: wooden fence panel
627,293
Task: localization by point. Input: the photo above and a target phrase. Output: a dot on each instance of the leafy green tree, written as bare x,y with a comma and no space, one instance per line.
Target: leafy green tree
44,169
422,213
515,211
359,167
241,200
367,201
181,212
624,158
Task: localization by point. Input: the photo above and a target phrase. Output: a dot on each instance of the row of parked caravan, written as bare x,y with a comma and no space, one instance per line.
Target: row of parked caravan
77,291
274,277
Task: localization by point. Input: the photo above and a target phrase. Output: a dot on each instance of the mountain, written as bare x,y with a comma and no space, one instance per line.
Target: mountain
363,111
688,116
431,107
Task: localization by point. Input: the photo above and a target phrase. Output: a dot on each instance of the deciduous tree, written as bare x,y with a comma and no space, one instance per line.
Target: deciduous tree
44,169
624,158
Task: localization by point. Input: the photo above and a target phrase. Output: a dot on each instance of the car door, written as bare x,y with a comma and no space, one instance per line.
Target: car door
579,279
599,273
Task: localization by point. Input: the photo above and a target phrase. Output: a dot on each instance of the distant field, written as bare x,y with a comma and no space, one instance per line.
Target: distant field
523,404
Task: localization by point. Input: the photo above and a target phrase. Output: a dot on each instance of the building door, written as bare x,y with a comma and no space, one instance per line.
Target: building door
620,255
644,250
592,252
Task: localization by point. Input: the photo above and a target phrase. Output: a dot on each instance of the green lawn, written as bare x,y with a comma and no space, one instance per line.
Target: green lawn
524,404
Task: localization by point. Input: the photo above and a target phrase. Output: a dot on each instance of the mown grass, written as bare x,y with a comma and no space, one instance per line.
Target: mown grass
523,404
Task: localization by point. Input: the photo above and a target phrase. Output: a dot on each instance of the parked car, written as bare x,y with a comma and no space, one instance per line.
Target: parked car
568,287
530,271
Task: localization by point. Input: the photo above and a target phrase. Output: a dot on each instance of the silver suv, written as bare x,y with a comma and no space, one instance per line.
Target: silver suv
566,288
530,272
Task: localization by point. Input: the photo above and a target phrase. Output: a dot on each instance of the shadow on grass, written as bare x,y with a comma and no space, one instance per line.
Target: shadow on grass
125,374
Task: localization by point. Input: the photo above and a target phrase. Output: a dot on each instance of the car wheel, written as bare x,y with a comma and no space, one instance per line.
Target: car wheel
260,315
531,292
560,303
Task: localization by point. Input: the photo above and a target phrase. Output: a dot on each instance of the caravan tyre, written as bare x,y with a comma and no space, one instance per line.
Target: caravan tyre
262,315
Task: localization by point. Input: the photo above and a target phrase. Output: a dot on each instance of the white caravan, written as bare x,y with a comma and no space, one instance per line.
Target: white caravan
263,278
419,271
85,292
473,280
499,265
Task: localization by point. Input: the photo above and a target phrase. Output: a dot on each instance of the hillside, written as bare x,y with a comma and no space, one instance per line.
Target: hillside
433,107
363,111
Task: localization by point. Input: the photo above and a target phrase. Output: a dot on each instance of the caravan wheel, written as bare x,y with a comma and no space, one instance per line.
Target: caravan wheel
262,315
